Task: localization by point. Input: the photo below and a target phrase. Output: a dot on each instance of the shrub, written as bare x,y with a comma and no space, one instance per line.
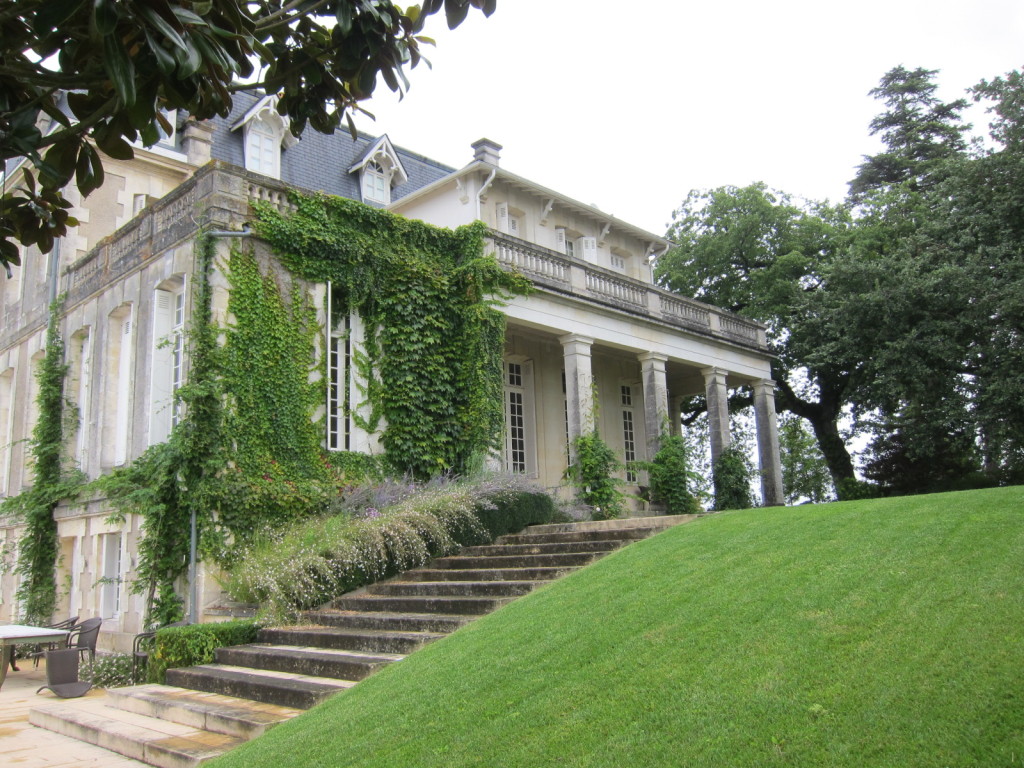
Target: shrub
591,473
316,561
112,670
671,477
195,644
732,474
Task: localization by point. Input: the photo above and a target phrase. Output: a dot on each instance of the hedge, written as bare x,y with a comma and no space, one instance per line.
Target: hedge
195,644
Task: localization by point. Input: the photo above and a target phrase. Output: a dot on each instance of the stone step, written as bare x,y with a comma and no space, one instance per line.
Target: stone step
305,660
468,606
453,588
485,574
286,689
659,522
156,742
516,561
396,621
551,548
567,538
228,715
367,640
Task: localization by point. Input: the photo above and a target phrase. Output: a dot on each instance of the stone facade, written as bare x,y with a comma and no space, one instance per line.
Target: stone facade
597,344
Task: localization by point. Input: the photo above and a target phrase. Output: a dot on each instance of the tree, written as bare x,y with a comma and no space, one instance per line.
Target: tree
122,63
920,133
805,474
753,251
930,300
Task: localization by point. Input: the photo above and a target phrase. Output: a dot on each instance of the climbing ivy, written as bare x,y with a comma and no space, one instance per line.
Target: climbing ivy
38,546
434,337
170,481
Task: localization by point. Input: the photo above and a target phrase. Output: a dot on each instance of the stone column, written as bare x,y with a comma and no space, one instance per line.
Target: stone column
717,393
772,494
579,383
675,410
652,367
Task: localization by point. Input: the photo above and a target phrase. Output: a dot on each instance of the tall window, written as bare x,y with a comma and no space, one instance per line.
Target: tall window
117,385
520,447
339,354
29,460
168,358
6,426
376,183
79,387
263,148
628,432
110,590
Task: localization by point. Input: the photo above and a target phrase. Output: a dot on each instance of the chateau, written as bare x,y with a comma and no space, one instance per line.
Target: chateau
595,327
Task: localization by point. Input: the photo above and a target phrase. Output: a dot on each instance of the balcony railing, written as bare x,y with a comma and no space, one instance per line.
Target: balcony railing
224,193
571,275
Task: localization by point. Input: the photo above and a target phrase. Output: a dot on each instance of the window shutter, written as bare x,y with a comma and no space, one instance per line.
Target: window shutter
501,214
513,226
586,249
124,370
560,239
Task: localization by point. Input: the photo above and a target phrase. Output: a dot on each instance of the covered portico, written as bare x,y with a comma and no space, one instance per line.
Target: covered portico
586,359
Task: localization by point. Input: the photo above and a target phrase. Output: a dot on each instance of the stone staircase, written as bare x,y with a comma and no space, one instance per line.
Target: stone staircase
206,710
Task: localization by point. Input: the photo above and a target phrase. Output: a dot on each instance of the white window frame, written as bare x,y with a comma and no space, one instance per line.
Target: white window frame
376,183
167,371
8,391
112,558
628,426
339,361
520,418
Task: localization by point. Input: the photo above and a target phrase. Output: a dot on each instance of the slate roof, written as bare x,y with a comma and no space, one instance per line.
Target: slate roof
319,161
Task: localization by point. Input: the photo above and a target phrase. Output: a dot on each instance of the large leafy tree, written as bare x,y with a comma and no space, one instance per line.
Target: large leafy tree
755,252
123,61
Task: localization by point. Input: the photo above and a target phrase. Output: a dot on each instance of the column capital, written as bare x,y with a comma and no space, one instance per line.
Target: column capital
652,357
763,383
575,339
713,372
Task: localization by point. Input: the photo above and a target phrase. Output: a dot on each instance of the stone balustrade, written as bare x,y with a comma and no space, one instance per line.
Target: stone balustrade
566,274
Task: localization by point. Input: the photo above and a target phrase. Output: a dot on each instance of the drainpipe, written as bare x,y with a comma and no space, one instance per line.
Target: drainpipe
483,190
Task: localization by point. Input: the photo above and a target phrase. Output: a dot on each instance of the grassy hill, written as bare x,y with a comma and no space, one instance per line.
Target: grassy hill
874,633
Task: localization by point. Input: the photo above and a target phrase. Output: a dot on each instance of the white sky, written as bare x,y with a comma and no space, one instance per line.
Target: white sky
628,106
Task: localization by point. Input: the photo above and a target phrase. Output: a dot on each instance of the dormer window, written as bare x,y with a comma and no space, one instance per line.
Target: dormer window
380,170
376,185
263,149
264,131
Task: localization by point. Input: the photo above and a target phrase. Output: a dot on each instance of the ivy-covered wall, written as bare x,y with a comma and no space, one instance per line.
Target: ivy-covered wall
434,339
247,453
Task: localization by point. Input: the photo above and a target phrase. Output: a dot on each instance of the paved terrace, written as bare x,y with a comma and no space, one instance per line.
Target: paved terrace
24,746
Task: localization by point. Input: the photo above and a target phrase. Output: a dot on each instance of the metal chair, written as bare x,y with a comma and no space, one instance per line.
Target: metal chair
140,649
83,637
39,651
62,674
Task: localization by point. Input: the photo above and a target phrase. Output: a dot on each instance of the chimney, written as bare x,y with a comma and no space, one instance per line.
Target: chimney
486,151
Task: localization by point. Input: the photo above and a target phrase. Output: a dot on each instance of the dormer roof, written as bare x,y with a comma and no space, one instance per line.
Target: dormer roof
379,150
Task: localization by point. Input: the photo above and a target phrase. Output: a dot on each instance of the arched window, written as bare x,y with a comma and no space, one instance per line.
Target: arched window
376,183
263,146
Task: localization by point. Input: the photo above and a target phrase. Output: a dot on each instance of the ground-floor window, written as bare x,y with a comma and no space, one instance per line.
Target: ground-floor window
520,442
628,431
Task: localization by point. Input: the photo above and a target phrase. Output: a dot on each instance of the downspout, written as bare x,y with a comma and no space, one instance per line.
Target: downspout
483,190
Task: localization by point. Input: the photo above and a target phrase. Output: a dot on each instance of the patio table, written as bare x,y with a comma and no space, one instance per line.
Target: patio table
15,634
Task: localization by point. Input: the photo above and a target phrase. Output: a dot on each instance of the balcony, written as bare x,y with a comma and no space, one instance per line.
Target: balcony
558,273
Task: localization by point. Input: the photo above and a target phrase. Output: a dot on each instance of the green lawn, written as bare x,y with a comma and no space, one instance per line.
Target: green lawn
873,633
